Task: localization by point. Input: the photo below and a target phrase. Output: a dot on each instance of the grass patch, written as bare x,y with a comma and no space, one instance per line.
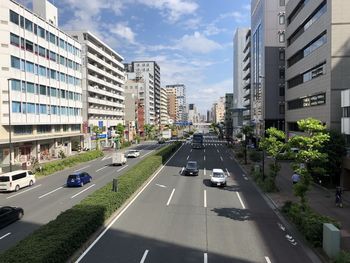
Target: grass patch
58,240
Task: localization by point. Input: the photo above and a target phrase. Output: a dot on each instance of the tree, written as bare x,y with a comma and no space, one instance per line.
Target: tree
148,130
248,132
97,131
120,130
310,145
273,144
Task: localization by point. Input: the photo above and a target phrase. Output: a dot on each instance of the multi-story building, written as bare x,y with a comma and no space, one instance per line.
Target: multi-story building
220,110
193,115
153,68
241,73
229,100
102,83
40,80
318,59
345,130
172,103
180,91
164,116
267,63
246,80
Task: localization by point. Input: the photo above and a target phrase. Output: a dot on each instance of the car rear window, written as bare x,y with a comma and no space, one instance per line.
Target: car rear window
72,176
4,179
191,165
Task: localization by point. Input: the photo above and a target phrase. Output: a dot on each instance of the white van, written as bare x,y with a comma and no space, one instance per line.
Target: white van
15,180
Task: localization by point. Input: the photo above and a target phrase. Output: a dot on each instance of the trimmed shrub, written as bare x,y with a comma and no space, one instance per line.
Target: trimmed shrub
308,222
55,166
255,156
343,257
58,240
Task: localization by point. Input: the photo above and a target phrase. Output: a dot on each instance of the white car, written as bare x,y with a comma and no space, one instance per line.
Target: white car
218,177
132,153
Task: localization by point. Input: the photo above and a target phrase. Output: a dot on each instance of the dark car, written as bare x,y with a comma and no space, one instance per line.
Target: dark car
78,179
9,214
191,168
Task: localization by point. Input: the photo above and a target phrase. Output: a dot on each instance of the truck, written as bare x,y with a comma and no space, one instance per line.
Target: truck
166,134
197,141
118,158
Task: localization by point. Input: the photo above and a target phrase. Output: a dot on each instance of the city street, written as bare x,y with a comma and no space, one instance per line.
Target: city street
49,196
180,218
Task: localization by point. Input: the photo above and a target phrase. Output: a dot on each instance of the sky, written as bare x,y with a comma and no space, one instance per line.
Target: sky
191,40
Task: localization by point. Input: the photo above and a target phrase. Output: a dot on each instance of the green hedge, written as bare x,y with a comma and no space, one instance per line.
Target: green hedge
309,223
52,167
343,257
58,240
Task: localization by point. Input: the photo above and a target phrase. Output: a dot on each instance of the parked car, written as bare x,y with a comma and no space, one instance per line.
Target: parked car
132,153
15,180
191,168
9,214
218,177
78,179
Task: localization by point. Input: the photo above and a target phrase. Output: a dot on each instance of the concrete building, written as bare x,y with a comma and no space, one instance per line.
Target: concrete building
241,73
267,64
246,80
40,83
153,68
164,116
102,82
172,103
318,61
193,115
219,111
180,91
345,130
229,102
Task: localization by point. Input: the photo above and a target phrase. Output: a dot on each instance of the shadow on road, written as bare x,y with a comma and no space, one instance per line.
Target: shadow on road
233,213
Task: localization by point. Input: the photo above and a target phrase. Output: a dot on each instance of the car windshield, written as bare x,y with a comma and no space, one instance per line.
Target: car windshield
72,176
218,175
191,165
4,179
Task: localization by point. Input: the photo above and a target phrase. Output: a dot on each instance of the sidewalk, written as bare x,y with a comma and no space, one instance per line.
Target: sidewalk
320,199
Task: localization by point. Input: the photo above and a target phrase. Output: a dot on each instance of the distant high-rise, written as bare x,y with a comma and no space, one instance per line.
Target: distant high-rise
180,91
228,114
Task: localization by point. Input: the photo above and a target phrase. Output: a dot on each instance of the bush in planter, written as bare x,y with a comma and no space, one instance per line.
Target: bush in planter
343,257
255,156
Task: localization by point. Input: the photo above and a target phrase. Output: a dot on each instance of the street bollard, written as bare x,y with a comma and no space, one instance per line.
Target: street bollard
115,185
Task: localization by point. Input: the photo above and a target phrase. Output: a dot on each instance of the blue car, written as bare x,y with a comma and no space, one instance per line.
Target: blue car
78,179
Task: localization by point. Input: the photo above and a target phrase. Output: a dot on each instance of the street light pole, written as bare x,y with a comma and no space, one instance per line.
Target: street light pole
10,124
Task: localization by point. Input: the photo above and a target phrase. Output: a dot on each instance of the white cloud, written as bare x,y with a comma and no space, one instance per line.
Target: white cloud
197,43
125,32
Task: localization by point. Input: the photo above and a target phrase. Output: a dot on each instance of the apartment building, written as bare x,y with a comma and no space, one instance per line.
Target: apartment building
220,110
164,116
246,83
153,68
345,130
172,103
241,73
40,80
318,59
267,72
180,91
193,115
102,83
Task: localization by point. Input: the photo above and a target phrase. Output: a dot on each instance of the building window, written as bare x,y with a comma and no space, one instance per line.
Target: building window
282,54
346,112
15,62
282,73
43,128
29,67
297,10
308,101
282,90
15,85
52,56
28,25
43,109
29,46
282,19
281,109
14,17
42,71
30,87
281,37
42,90
293,126
21,21
23,129
14,40
16,107
282,2
30,108
52,38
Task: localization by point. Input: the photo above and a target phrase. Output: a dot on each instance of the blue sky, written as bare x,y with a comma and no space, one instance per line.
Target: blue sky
190,39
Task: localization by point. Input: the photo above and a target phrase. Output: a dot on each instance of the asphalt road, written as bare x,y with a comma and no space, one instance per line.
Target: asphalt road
178,218
49,196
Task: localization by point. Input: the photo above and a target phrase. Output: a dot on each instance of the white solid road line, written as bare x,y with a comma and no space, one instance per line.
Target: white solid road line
50,192
205,171
205,198
228,173
144,256
217,150
267,260
123,211
171,196
191,151
9,233
204,157
160,185
188,157
205,258
83,191
239,197
29,189
122,168
82,168
204,150
101,169
221,158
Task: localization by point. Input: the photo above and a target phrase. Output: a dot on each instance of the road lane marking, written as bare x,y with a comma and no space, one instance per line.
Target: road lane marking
217,150
50,192
191,151
228,173
188,157
239,197
160,185
204,150
171,196
267,260
82,168
144,256
106,158
83,191
245,177
205,171
205,198
205,258
22,192
9,233
124,209
147,154
221,158
122,168
204,157
101,169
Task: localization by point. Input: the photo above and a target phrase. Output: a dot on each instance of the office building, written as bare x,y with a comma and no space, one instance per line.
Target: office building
193,115
318,61
246,80
40,80
180,91
172,103
102,83
267,64
229,101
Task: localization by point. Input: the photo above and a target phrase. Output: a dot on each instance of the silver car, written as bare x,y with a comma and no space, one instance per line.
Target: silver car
132,153
218,177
